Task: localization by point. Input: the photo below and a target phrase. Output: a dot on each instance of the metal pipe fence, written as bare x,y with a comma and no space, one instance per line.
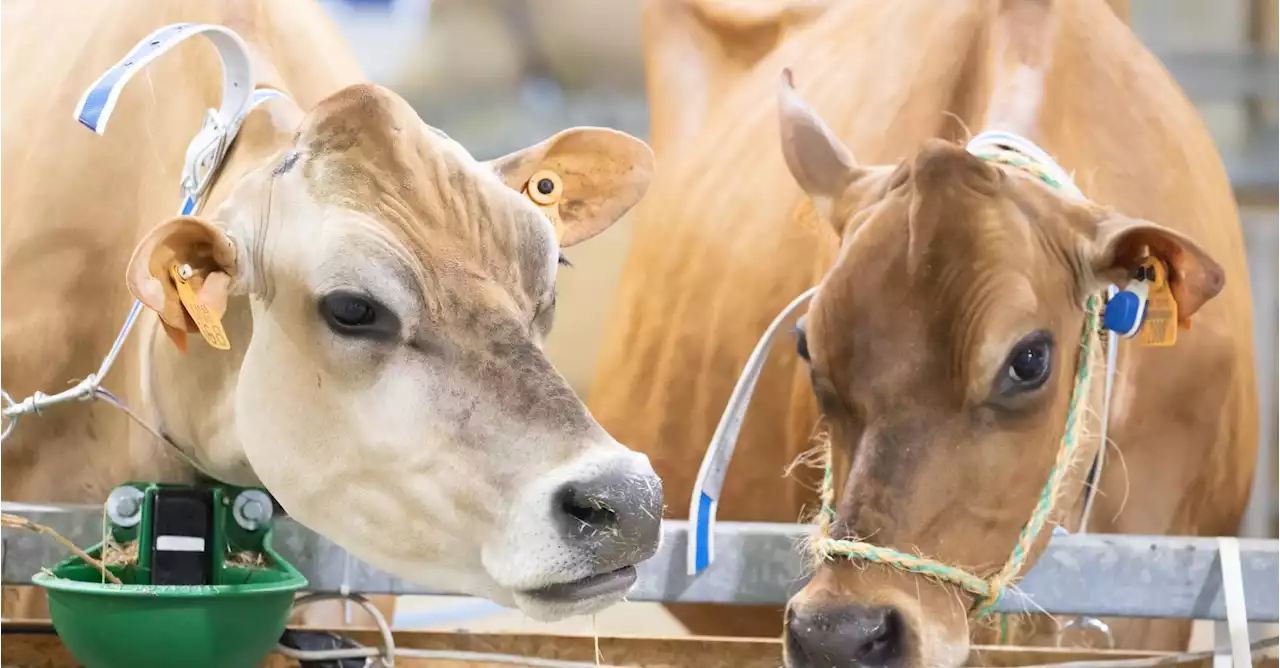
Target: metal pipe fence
762,563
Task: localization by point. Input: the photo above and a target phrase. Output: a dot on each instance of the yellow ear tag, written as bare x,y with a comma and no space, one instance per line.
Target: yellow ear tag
209,323
1160,326
545,190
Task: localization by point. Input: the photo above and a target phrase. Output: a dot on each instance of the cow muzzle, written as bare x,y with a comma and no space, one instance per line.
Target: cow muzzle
577,540
846,635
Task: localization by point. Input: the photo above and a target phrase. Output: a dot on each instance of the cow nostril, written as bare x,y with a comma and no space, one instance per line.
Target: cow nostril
613,516
882,645
832,636
794,643
592,512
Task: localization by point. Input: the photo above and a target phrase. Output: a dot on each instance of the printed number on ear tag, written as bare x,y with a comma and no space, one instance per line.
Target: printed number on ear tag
1160,327
209,323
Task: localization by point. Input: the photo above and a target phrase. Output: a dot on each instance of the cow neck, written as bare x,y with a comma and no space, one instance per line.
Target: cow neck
999,147
204,163
174,381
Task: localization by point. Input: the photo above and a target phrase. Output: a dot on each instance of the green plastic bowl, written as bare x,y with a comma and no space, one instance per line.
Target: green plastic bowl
233,623
218,626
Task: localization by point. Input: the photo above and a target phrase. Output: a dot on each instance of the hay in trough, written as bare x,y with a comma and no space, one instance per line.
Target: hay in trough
115,554
246,559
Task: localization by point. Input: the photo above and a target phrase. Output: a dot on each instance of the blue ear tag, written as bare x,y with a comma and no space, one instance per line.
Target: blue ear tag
1126,309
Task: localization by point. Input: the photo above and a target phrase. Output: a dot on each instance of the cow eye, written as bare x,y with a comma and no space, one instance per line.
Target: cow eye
350,314
1029,363
802,343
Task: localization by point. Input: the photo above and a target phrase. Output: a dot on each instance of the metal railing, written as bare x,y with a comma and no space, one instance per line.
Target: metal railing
761,563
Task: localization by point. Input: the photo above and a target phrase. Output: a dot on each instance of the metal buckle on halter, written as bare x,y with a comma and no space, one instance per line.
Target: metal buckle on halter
204,155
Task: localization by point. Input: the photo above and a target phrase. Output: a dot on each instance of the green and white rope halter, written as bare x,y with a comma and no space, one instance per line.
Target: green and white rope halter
987,590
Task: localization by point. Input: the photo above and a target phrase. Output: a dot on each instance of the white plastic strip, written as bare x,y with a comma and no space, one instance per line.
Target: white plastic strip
1233,598
1104,424
97,103
1028,148
710,481
180,544
207,148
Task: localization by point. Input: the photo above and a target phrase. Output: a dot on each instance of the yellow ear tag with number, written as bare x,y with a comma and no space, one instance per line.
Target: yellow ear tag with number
1160,326
209,323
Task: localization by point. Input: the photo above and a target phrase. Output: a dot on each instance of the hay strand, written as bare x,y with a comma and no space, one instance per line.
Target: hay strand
15,522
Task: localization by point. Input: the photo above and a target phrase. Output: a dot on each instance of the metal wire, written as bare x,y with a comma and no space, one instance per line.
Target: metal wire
85,390
1257,651
388,653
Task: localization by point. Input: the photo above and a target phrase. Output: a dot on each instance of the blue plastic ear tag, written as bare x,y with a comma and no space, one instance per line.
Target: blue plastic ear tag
1127,308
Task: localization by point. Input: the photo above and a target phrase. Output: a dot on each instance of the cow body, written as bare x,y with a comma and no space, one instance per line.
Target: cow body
76,204
70,223
385,294
726,239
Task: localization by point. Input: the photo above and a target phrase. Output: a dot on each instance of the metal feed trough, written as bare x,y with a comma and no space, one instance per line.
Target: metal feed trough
761,563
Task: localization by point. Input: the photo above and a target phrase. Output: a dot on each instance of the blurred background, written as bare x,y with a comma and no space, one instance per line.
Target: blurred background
498,75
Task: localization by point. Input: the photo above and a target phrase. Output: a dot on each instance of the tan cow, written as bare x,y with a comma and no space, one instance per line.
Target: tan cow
386,298
941,265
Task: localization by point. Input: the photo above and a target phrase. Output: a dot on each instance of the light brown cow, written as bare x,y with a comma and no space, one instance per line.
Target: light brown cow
942,264
386,297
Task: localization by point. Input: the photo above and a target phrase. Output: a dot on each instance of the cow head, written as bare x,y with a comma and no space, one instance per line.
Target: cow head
943,348
392,392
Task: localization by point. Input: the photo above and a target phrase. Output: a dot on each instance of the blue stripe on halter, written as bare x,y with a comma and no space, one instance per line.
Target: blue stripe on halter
97,99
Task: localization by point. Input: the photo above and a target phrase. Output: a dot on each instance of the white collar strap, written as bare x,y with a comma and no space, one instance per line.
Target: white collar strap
995,145
209,146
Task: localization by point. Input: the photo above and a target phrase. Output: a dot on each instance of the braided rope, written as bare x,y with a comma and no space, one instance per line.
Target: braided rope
987,591
1016,159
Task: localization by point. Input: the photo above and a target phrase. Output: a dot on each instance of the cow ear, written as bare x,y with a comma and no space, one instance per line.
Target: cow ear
582,179
204,257
820,163
1121,244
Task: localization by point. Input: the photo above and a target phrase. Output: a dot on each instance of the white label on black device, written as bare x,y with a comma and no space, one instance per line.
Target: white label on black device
180,543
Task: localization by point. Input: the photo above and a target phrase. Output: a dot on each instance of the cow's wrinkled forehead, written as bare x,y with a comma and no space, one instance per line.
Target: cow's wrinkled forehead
955,256
367,151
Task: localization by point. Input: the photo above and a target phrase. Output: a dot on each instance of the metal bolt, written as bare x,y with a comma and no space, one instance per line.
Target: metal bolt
124,506
252,510
127,507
